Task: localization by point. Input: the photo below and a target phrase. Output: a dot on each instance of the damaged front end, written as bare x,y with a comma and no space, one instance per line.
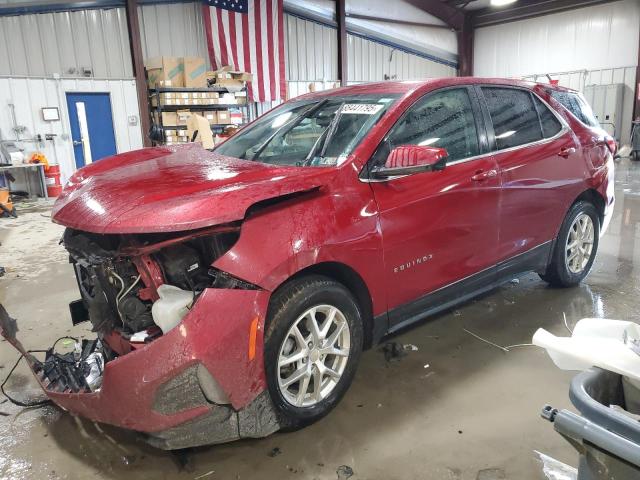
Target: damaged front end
178,347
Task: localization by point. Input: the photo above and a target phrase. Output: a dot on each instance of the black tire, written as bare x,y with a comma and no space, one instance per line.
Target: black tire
558,273
286,306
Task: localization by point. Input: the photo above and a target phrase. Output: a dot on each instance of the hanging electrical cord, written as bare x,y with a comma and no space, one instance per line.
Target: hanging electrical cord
37,403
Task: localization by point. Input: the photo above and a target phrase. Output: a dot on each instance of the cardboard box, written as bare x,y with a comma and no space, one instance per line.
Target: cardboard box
223,116
169,119
211,116
161,70
182,117
227,99
194,72
163,101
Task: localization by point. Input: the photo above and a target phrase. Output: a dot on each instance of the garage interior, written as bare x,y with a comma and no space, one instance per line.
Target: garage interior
453,402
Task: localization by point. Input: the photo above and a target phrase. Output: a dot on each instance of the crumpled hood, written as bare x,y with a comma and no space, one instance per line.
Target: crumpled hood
167,189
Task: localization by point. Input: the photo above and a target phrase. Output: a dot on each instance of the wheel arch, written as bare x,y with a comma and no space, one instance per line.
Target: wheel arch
594,197
351,280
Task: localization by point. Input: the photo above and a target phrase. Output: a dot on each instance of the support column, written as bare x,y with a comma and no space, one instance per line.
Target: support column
135,45
342,41
636,99
465,48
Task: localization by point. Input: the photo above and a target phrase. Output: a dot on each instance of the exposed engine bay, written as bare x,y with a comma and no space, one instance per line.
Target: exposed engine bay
134,288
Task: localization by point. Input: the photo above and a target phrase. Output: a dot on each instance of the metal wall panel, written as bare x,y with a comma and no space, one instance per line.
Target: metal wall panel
371,61
29,95
312,50
175,30
64,43
312,58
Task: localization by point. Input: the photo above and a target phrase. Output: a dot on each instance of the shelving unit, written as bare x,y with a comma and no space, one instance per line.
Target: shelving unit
160,107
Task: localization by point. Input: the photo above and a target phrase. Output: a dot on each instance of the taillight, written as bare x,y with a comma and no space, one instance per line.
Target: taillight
611,144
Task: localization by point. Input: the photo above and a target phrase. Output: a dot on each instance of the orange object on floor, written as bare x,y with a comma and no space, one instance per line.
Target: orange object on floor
52,179
6,205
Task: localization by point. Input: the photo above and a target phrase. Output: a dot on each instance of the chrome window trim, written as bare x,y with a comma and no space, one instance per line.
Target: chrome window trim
565,128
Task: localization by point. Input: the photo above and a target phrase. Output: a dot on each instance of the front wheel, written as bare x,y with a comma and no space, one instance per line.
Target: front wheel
576,246
312,346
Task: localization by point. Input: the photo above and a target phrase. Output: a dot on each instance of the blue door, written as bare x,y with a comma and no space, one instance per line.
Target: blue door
91,122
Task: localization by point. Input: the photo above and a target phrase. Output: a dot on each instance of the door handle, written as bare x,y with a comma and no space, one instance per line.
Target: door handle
77,142
566,151
481,175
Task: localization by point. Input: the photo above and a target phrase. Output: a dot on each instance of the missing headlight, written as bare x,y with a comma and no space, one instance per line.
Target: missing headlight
222,279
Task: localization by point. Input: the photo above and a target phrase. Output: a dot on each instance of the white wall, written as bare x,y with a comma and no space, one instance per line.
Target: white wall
591,45
174,30
66,42
29,95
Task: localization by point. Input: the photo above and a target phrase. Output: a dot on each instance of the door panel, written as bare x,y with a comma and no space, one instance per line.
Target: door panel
537,159
536,185
437,227
91,121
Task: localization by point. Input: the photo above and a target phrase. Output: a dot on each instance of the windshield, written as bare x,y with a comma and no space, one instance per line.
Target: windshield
318,132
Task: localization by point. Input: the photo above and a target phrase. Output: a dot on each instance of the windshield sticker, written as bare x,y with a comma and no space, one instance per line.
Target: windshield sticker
361,108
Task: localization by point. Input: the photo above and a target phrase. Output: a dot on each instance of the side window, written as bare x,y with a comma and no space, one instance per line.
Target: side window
514,117
550,124
441,119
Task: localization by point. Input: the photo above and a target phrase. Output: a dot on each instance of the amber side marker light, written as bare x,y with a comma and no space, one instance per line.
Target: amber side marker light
253,334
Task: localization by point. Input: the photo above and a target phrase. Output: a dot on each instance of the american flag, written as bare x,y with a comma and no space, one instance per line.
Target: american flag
249,36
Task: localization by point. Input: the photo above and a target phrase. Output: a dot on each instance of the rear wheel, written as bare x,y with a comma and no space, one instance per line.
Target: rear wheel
576,246
312,347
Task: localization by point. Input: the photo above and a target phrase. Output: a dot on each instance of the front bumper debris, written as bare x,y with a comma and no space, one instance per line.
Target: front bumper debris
201,383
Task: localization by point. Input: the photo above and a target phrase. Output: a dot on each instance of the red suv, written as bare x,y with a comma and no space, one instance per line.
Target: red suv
233,291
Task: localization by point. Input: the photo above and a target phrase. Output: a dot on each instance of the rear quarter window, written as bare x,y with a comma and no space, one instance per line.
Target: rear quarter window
578,107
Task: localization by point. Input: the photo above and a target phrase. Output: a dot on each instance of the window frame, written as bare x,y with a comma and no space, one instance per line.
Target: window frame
482,133
491,136
535,105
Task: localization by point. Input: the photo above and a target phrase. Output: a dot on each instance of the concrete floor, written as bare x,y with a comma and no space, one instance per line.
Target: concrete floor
454,409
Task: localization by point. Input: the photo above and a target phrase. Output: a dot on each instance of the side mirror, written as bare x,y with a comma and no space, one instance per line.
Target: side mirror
408,159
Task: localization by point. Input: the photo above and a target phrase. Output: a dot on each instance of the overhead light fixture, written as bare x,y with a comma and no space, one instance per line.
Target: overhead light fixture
501,3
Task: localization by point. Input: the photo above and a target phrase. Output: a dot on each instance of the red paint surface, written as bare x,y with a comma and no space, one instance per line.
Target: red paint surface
458,224
172,189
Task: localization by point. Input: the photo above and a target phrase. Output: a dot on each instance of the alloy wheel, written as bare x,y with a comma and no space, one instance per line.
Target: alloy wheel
313,355
579,243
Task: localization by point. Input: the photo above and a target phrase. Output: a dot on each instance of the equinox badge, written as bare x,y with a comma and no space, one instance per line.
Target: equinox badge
412,263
